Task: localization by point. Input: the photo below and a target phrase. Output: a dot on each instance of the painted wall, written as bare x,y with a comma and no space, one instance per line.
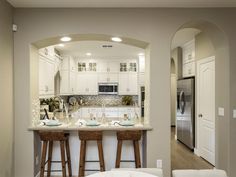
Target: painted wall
6,90
155,26
209,43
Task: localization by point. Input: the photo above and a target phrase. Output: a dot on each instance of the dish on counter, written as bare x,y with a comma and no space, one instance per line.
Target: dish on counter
52,123
92,123
126,123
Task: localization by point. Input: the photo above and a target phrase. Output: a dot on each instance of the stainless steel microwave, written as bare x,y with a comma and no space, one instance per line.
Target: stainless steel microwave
108,88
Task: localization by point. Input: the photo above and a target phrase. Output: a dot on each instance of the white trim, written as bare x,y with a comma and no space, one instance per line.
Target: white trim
197,133
196,152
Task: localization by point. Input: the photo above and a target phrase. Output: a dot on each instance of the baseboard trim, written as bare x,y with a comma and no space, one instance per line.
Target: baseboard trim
196,151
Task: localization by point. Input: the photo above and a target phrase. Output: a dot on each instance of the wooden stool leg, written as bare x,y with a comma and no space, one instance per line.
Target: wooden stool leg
63,163
43,158
101,157
137,154
50,158
82,158
118,153
68,157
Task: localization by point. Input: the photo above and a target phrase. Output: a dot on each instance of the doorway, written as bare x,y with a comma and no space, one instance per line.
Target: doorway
193,150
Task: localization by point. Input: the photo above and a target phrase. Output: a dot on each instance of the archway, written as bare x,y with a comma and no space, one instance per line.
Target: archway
56,40
209,40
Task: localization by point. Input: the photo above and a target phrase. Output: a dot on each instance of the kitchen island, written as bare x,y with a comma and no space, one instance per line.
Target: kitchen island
109,144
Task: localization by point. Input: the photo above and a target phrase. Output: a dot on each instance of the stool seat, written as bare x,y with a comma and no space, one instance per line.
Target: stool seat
85,136
130,135
51,137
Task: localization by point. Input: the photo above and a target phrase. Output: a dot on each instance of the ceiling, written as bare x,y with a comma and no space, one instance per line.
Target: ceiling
117,51
184,35
121,3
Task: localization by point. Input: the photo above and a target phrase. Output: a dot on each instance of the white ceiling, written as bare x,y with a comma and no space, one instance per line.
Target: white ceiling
184,35
119,50
121,3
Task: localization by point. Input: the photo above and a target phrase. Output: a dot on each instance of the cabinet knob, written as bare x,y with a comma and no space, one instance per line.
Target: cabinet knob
200,115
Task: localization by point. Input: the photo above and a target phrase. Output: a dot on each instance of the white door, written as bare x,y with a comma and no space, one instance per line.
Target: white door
206,108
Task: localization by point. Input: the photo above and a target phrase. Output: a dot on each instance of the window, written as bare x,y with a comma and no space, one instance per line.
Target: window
123,67
81,66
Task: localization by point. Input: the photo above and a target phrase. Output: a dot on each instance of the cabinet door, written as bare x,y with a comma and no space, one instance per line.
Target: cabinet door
81,84
64,83
42,76
92,84
103,77
46,76
189,69
102,66
72,64
113,66
113,77
123,84
50,77
133,84
65,63
72,82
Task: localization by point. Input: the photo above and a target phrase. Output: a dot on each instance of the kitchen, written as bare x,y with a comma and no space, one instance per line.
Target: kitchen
91,85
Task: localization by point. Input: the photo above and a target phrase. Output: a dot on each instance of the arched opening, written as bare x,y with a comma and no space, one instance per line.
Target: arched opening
69,52
197,43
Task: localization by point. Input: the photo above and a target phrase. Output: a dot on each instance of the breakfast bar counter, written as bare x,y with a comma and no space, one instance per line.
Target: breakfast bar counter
103,127
109,130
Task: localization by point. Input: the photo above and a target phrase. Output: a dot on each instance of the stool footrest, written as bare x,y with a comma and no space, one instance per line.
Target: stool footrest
91,170
53,170
58,161
127,161
92,161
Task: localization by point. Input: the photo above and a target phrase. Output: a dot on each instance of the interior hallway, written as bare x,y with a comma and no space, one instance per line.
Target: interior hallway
184,158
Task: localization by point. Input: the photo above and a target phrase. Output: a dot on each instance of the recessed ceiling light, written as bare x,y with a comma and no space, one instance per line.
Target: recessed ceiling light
61,45
66,39
116,39
141,54
88,54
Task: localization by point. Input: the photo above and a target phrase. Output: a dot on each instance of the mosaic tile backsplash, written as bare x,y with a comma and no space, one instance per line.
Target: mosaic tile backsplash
99,100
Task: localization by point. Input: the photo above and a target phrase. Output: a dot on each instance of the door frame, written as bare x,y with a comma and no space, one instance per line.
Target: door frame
197,103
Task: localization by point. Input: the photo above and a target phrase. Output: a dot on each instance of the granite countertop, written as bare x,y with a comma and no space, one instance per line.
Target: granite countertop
73,126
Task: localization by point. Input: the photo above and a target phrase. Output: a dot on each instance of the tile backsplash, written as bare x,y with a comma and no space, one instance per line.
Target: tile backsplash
98,100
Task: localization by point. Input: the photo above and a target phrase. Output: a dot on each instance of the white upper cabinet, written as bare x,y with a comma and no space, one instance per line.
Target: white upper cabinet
189,58
129,66
87,84
128,84
108,66
46,76
189,51
69,64
67,83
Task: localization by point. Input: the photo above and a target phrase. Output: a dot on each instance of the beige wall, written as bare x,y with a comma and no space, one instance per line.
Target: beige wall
6,90
210,43
155,26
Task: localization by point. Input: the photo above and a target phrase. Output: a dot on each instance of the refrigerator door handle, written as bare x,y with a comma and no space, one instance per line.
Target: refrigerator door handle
182,102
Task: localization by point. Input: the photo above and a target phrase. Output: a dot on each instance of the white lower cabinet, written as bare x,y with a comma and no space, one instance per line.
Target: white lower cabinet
128,84
46,77
87,84
67,83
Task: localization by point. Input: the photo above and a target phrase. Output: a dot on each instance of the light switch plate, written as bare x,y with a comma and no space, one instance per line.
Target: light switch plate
234,113
221,111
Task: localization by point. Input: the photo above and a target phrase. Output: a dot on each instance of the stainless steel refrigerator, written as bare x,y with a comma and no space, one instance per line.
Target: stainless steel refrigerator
185,116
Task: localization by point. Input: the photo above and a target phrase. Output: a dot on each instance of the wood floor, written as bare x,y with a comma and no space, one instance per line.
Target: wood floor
184,158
